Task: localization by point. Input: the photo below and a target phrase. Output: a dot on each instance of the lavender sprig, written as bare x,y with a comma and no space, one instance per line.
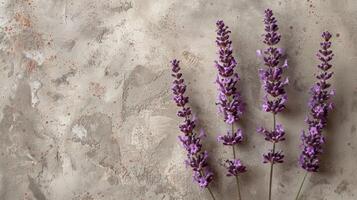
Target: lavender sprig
229,99
320,104
191,141
274,86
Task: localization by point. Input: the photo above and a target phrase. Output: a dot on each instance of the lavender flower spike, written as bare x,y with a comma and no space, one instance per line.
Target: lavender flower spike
320,104
273,84
272,80
196,157
229,99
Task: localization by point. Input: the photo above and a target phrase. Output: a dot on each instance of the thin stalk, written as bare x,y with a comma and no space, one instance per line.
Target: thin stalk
272,162
234,152
302,183
209,190
271,173
239,196
234,157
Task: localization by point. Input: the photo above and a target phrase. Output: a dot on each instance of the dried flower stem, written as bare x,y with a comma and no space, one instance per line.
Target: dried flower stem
211,193
237,179
271,173
234,151
302,183
239,195
272,163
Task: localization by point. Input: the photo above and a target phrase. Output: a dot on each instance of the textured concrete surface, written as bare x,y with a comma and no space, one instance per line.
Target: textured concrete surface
85,109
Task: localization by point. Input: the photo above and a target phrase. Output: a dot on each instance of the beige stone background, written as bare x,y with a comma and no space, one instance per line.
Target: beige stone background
86,111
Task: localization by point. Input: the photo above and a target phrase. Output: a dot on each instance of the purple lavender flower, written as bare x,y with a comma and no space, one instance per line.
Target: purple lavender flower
187,126
235,167
273,82
191,144
203,179
198,162
230,102
275,135
229,99
191,141
273,157
320,104
231,138
271,76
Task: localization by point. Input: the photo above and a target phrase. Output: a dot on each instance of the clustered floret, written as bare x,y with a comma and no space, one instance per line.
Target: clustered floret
235,167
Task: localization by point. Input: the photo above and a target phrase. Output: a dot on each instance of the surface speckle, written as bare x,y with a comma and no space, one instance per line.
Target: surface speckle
342,187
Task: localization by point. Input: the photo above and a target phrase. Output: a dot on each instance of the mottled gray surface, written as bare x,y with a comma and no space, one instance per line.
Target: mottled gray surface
85,100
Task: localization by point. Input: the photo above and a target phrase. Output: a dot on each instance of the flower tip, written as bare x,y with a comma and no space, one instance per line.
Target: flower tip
279,127
281,51
260,129
174,61
194,118
331,106
286,82
333,92
285,65
326,35
220,24
268,10
219,21
202,133
259,53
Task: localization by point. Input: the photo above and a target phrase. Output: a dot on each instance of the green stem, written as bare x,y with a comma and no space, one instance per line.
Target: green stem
272,162
302,183
209,190
234,157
